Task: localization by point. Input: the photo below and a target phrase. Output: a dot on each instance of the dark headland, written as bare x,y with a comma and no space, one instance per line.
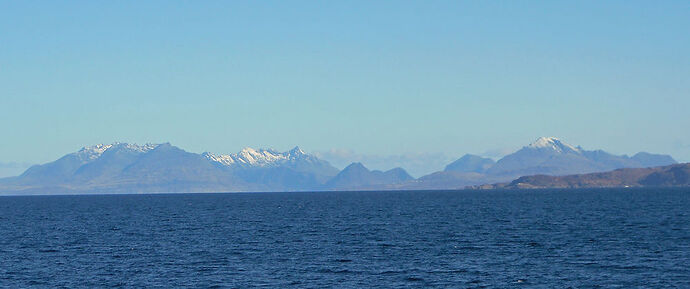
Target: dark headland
677,175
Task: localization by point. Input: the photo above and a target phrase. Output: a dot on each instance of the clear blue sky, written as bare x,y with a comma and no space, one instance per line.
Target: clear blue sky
373,77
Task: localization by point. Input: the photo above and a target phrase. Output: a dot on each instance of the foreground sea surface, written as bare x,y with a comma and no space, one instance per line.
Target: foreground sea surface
456,239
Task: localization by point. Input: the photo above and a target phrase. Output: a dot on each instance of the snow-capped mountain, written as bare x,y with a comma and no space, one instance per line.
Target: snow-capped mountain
544,156
551,156
553,144
69,165
90,153
163,167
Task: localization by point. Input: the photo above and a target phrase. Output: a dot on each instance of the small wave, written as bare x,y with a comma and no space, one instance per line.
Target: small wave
338,271
414,279
470,248
447,271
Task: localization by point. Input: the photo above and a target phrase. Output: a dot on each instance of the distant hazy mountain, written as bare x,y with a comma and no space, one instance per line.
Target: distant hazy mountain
124,167
677,175
470,164
356,176
545,156
416,164
652,160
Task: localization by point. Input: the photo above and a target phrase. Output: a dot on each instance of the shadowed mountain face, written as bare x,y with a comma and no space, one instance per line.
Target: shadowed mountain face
167,166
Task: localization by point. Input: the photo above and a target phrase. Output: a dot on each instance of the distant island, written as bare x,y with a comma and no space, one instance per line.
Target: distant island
153,168
677,175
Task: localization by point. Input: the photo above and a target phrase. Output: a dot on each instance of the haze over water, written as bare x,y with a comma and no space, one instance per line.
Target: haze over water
581,238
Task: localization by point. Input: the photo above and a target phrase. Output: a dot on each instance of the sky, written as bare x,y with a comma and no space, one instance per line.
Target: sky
378,80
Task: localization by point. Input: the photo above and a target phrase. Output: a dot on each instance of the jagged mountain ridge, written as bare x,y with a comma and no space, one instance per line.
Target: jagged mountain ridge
295,159
122,167
357,176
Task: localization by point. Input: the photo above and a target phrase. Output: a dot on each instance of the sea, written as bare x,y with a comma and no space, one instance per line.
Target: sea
601,238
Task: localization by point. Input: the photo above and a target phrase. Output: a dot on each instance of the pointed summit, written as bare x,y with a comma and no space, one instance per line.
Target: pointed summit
555,144
551,156
296,151
355,166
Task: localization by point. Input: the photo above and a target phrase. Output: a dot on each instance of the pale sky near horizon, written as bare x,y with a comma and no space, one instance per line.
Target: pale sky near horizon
379,78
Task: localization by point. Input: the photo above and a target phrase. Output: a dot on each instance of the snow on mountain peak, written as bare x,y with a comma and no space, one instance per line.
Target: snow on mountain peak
256,157
553,143
139,148
260,157
222,159
544,142
95,151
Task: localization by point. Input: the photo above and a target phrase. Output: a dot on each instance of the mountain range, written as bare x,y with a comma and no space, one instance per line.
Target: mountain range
123,168
130,168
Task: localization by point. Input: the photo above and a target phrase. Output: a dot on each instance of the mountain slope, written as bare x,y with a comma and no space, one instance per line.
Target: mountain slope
168,166
470,164
547,155
88,162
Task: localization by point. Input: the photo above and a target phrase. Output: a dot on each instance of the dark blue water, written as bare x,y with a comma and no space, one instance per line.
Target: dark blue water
607,238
